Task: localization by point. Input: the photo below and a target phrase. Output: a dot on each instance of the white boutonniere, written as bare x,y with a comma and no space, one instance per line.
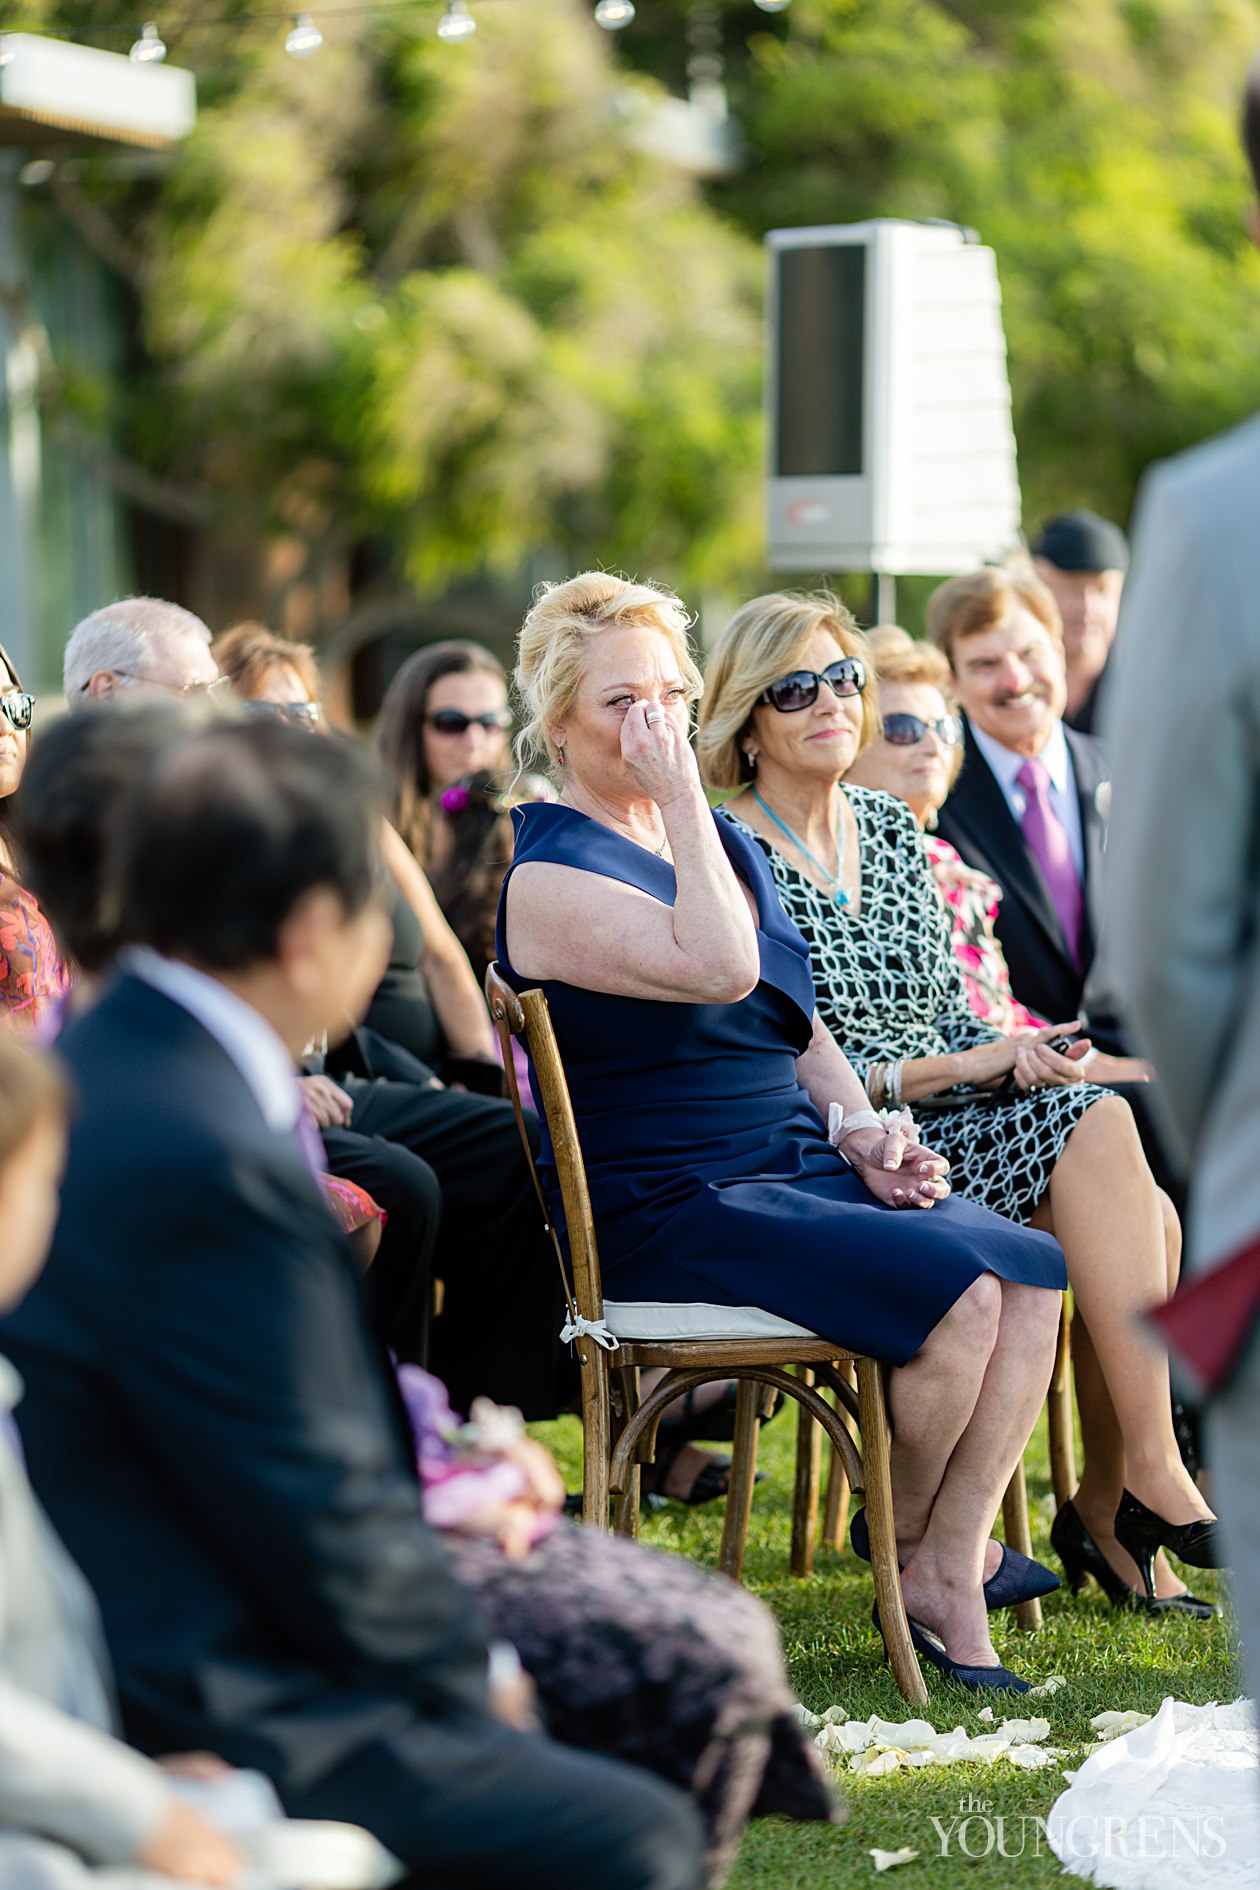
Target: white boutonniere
1102,801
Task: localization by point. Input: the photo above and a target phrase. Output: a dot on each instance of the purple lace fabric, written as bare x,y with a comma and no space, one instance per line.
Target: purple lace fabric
635,1654
649,1659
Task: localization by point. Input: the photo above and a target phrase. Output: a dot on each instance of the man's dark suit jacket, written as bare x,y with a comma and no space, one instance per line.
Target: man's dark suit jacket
977,820
210,1424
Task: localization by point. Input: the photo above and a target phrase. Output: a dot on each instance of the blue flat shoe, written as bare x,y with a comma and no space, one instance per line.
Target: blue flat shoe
931,1648
1015,1578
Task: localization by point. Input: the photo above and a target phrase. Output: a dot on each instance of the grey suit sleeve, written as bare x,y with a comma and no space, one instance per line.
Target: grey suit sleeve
1181,888
63,1779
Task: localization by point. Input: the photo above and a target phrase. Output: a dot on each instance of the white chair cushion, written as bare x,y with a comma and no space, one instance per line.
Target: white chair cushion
656,1319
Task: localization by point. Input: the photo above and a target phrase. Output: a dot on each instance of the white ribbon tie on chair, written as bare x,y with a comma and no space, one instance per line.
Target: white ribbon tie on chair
596,1329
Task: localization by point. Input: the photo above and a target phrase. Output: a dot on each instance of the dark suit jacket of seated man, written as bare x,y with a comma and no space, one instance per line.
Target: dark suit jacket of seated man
214,1431
977,819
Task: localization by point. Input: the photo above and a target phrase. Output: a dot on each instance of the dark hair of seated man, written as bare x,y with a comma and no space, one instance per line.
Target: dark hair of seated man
233,828
78,777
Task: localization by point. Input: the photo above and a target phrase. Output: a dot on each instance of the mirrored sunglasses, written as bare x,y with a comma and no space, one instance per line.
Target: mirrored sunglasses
904,731
19,708
304,714
800,689
455,722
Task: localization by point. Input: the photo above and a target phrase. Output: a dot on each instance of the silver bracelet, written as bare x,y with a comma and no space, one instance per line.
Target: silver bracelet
892,1084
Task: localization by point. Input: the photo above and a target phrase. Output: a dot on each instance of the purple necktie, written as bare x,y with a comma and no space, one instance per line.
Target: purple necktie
1049,845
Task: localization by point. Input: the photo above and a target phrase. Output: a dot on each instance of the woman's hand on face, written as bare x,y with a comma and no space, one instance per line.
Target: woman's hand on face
916,1178
658,753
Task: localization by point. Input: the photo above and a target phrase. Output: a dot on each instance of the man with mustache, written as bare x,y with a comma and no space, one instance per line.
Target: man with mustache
1027,808
1030,809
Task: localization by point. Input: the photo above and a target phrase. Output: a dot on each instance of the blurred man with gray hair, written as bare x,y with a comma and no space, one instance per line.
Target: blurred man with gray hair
1184,862
142,645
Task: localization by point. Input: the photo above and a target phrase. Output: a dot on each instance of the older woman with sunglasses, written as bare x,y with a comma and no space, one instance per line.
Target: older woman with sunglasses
33,976
790,711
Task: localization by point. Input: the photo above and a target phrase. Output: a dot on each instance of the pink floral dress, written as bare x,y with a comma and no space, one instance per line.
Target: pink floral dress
972,899
33,975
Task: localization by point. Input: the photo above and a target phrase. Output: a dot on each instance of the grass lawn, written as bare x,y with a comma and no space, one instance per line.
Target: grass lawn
1109,1658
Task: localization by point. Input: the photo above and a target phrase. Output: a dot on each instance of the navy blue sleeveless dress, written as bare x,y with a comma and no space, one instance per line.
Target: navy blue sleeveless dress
710,1173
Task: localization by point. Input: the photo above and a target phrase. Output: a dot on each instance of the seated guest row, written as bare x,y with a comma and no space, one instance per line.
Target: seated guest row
953,1297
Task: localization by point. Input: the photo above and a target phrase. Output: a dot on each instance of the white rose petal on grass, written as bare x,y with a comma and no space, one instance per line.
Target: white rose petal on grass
872,1764
1111,1726
1023,1732
889,1860
1033,1758
1051,1685
903,1735
986,1714
810,1721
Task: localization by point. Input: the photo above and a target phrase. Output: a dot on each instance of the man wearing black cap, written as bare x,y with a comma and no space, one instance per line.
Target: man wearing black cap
1082,558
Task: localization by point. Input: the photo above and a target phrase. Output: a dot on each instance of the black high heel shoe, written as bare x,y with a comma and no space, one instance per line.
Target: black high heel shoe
1141,1532
1081,1556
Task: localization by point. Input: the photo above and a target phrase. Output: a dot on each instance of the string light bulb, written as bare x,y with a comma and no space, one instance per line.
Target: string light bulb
149,49
772,6
457,22
303,37
612,15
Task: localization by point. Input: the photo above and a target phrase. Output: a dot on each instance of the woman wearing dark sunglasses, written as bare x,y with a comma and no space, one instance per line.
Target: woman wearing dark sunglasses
1051,1151
443,738
33,975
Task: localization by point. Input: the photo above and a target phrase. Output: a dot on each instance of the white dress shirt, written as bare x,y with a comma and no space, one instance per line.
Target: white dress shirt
1056,759
257,1050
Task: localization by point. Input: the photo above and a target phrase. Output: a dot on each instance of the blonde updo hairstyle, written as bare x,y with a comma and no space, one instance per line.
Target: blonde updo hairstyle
555,641
763,641
900,658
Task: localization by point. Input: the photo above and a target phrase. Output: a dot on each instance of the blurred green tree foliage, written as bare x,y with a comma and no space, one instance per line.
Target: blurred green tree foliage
428,296
1093,144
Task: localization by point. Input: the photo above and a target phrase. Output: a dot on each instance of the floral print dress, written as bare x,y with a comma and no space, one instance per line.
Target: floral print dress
33,975
972,900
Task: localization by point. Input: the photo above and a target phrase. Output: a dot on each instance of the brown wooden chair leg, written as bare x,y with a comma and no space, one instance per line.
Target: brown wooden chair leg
1059,1408
805,1493
879,1511
596,1440
626,1506
743,1474
1019,1537
836,1510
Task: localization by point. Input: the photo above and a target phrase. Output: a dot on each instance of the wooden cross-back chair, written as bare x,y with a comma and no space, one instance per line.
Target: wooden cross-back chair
619,1428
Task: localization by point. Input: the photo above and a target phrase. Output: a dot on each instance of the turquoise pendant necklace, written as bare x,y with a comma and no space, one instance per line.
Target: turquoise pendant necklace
837,893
